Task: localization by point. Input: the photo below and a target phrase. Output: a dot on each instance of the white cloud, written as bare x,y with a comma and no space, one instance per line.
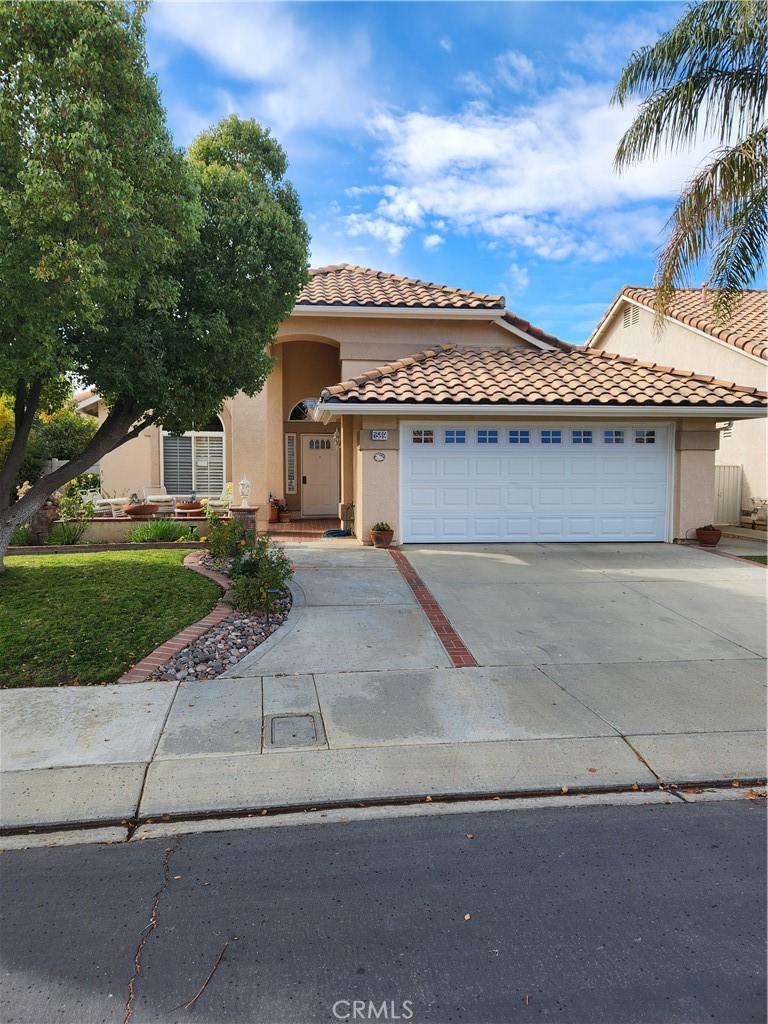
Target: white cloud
514,69
516,279
393,235
473,83
446,43
299,77
433,241
607,46
539,177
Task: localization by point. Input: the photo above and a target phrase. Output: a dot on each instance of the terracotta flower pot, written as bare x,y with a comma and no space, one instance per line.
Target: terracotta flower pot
189,506
140,511
285,517
708,538
382,538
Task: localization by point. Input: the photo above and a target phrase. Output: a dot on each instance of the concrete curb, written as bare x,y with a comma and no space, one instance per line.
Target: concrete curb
93,549
149,665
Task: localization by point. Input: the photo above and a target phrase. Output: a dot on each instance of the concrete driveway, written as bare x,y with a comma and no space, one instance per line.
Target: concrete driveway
598,666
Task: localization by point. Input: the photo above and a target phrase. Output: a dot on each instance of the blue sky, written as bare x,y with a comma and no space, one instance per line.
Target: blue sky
469,144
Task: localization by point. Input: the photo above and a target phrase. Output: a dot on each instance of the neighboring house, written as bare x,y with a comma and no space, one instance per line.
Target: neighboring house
693,339
445,414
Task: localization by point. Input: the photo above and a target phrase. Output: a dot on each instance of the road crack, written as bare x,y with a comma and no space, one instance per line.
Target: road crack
147,931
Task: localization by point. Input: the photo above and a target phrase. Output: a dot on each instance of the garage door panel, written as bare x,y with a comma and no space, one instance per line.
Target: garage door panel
535,491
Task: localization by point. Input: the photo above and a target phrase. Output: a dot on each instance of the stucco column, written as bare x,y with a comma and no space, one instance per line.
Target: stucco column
347,460
695,445
377,477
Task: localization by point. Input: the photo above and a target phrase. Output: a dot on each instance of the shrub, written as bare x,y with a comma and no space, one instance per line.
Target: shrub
84,482
262,568
68,532
161,530
224,538
20,535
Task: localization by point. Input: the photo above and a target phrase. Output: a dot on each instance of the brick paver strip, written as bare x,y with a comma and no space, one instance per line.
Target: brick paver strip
454,646
147,667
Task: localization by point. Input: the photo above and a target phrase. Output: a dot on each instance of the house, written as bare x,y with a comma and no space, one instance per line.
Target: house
442,412
693,339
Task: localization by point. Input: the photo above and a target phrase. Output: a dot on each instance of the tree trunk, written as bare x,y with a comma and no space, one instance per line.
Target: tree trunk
114,431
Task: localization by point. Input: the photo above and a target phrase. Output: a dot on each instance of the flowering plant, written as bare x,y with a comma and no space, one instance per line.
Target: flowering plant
260,575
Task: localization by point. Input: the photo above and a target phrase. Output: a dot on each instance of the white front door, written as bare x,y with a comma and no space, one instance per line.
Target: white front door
319,475
516,481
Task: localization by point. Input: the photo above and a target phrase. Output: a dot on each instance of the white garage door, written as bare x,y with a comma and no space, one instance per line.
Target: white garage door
465,482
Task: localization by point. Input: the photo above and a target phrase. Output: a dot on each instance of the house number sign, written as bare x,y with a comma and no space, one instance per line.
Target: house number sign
379,435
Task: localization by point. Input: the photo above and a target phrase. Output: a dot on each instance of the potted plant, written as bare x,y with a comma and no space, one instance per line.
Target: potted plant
282,513
274,509
708,536
138,509
191,504
381,535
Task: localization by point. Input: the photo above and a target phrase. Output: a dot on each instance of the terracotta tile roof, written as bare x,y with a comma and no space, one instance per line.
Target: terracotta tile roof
347,285
575,377
747,328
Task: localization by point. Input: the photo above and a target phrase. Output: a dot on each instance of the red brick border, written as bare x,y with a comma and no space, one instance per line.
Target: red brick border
454,646
149,665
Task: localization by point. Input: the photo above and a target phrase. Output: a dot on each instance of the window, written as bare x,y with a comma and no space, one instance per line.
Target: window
422,437
303,410
581,437
645,437
290,463
487,437
455,437
194,461
519,437
318,444
551,436
613,436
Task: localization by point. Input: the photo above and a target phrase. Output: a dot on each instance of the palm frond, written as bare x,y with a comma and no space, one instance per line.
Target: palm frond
713,213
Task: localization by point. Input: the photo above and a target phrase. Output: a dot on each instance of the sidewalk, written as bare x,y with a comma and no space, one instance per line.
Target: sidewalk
355,700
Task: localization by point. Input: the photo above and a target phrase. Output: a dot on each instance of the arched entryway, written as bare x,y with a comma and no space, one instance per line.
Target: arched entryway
311,450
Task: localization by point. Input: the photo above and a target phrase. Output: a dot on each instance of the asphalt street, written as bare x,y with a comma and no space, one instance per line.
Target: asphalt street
588,914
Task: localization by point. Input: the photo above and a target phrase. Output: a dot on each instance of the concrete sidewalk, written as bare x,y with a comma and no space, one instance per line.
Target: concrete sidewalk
600,667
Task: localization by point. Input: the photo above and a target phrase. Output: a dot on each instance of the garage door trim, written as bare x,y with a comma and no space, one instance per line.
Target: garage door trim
536,424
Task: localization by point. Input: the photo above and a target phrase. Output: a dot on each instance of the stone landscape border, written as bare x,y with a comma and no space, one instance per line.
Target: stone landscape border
149,665
454,646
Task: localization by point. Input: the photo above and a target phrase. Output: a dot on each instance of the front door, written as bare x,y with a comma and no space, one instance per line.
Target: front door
319,475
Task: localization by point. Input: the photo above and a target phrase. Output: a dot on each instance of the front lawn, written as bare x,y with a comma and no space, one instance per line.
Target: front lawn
762,559
84,618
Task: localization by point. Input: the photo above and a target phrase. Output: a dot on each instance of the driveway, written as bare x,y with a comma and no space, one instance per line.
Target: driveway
598,666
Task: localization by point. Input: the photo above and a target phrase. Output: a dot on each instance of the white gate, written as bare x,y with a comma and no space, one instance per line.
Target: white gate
727,495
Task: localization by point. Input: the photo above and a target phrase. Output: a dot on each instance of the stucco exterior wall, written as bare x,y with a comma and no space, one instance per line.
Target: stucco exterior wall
377,481
685,349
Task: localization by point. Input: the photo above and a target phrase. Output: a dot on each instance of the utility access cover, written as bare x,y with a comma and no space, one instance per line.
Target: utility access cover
293,731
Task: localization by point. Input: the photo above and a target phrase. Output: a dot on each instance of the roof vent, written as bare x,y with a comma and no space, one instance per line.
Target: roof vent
631,316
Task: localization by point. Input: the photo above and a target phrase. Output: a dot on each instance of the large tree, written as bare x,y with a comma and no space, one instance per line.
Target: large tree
707,78
157,277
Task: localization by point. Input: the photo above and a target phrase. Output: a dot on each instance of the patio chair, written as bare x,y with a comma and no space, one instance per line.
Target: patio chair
166,503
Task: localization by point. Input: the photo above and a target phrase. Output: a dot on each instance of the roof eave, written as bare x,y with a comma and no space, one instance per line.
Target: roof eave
330,409
435,312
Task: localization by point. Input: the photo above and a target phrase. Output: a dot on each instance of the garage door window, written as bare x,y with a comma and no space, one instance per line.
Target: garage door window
455,437
581,436
487,437
422,437
519,437
551,436
645,437
613,436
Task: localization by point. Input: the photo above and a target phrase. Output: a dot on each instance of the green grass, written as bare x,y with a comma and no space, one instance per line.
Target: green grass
84,618
762,559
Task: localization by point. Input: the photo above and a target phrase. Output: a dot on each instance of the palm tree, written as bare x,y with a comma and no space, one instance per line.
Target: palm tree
707,77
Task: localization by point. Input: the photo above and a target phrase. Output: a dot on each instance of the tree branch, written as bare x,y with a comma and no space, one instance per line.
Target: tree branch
116,429
26,402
